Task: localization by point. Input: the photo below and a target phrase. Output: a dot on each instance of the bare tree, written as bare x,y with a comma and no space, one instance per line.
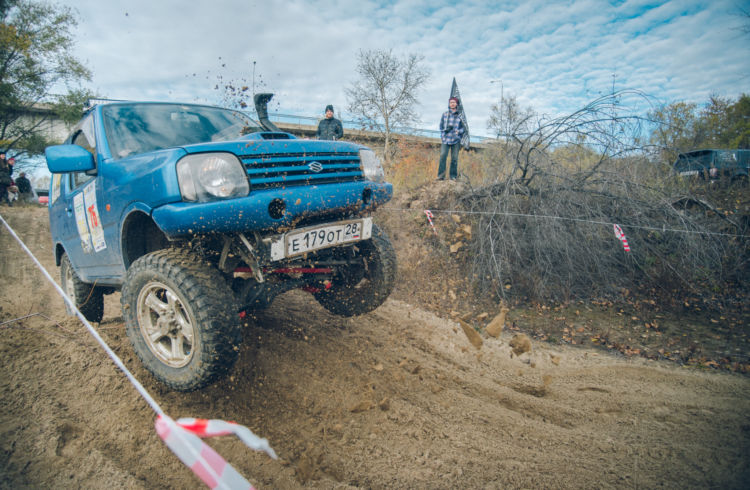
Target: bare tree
385,94
508,117
544,228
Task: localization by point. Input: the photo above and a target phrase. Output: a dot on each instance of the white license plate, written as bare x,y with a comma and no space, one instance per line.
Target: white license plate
317,237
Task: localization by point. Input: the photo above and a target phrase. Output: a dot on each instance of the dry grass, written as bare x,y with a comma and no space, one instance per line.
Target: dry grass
416,164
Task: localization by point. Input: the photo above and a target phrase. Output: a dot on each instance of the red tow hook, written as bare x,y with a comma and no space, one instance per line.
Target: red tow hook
299,270
312,289
293,270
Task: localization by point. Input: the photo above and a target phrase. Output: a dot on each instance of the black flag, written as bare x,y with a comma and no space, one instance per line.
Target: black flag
464,137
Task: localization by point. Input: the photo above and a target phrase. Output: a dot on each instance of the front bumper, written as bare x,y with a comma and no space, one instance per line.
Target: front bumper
261,209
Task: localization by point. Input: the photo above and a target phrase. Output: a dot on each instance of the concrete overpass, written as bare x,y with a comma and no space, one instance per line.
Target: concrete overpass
43,117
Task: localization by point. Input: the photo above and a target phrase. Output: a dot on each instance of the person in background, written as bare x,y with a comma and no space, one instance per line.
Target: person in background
451,129
5,180
330,128
24,188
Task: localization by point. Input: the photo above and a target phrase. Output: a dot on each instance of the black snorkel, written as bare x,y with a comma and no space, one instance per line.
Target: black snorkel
261,108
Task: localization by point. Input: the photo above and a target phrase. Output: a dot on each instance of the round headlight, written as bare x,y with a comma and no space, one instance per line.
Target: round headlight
371,166
206,176
214,175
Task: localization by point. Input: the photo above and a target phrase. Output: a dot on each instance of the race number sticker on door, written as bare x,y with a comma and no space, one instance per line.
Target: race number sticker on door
92,216
55,190
83,228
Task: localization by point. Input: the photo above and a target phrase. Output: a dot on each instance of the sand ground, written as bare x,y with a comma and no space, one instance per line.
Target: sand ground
397,398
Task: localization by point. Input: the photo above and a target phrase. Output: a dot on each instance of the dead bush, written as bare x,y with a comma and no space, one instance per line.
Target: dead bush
545,224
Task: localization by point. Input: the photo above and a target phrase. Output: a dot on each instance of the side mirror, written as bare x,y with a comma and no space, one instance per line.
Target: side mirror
69,158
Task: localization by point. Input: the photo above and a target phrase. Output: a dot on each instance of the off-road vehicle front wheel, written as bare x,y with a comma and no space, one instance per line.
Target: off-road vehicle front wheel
179,318
360,288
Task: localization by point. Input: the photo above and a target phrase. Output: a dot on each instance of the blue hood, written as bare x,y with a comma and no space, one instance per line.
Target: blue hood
254,146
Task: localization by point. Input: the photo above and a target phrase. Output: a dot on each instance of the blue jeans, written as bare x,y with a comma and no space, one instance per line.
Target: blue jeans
454,161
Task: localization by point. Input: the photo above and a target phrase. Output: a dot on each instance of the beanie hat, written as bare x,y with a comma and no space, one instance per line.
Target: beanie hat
454,98
329,107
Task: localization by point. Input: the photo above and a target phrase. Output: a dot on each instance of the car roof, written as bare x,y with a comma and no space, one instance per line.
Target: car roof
93,103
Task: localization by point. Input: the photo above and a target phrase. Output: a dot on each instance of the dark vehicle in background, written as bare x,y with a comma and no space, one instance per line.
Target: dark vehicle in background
714,165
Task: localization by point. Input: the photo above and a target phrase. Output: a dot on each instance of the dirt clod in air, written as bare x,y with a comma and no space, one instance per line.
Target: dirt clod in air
495,327
520,343
473,335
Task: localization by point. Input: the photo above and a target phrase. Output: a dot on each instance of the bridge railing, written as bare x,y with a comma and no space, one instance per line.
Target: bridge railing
348,124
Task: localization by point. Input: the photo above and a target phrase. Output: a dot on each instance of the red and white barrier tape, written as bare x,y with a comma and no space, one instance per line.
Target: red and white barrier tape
214,427
206,463
182,437
429,215
621,236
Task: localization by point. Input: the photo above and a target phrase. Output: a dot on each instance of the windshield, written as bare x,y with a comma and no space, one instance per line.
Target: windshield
696,159
139,128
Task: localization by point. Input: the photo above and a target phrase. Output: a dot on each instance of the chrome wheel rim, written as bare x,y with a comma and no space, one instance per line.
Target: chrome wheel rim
69,289
166,324
68,286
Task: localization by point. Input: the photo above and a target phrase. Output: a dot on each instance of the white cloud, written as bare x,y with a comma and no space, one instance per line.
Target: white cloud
555,56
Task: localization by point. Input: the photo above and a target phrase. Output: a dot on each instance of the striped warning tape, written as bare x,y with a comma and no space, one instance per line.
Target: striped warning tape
184,442
429,215
182,437
621,236
214,427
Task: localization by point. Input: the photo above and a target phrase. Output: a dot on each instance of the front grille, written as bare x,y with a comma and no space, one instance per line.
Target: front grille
294,169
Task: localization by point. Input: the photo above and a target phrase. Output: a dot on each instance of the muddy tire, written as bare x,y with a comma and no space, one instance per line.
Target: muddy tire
179,318
740,181
360,289
88,298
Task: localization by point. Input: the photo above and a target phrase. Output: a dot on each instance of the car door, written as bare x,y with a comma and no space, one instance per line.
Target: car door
60,213
77,209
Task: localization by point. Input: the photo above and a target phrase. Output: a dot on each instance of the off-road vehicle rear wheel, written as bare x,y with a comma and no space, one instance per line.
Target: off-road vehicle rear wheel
179,317
88,298
359,289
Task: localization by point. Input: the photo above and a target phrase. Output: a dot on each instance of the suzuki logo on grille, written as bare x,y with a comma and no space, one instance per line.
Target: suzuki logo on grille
315,167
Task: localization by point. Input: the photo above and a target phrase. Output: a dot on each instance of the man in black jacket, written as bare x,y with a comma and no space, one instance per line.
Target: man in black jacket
330,128
24,188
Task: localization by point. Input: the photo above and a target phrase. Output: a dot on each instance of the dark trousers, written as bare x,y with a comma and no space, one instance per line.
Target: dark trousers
4,194
454,161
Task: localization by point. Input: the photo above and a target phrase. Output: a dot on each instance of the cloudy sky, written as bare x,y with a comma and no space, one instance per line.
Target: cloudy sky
553,56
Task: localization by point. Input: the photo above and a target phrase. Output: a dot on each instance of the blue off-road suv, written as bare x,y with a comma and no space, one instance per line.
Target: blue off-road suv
198,213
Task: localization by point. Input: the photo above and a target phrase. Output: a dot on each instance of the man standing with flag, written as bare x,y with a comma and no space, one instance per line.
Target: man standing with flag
451,130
